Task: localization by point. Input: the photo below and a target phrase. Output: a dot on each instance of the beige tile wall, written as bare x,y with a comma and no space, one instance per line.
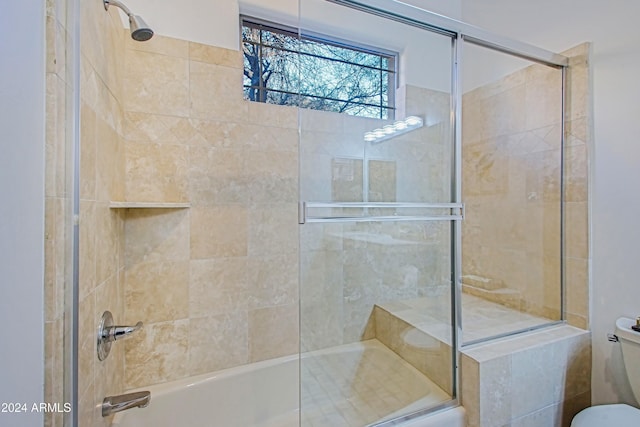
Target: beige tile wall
511,176
101,264
228,264
57,206
215,284
347,268
100,275
511,188
578,137
540,379
430,355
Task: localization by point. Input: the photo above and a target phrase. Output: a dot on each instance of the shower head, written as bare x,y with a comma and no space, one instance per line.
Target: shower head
140,31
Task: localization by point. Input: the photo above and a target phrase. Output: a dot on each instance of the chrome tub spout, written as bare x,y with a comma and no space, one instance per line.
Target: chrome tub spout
113,404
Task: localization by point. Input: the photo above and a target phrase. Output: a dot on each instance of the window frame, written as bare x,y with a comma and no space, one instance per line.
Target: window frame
391,71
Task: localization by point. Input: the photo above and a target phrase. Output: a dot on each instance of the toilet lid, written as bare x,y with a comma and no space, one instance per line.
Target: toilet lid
608,415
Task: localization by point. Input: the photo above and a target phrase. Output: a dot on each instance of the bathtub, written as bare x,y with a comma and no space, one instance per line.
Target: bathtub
262,394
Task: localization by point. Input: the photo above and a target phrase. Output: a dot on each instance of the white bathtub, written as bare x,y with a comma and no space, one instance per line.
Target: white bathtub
263,394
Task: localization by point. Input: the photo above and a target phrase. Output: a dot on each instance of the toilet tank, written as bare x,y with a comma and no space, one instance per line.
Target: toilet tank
630,342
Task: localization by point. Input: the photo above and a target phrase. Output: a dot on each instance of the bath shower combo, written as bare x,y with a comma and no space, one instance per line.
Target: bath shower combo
377,293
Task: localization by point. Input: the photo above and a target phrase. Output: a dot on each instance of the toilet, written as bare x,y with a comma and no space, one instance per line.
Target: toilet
618,415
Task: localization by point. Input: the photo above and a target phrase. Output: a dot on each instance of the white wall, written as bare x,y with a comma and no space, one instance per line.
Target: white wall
213,22
452,9
612,27
482,66
22,106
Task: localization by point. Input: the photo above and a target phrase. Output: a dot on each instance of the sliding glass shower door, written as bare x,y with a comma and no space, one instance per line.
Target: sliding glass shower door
512,186
377,214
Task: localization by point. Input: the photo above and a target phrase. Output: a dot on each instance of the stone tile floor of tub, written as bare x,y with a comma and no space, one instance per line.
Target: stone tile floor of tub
480,318
362,383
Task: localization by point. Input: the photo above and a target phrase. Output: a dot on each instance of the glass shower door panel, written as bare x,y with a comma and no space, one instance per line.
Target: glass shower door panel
512,189
375,320
377,215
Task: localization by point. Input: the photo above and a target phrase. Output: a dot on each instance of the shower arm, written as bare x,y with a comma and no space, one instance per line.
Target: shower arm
116,3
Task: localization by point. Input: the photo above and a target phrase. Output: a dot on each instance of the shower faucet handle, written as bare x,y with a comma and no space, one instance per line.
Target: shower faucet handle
108,333
114,333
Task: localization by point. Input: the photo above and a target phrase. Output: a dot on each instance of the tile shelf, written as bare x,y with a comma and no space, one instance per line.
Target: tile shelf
149,205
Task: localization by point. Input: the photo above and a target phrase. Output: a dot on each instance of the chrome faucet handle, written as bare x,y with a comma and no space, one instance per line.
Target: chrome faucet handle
107,333
114,333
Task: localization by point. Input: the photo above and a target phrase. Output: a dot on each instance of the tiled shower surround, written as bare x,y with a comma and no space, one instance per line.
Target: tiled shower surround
101,263
346,268
101,242
217,283
57,203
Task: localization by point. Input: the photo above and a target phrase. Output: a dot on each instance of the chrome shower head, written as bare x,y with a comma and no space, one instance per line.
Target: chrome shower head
140,31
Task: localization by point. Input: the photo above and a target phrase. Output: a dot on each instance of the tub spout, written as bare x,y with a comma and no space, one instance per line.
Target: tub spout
113,404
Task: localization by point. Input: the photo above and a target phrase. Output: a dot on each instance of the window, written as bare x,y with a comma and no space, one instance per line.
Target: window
285,68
